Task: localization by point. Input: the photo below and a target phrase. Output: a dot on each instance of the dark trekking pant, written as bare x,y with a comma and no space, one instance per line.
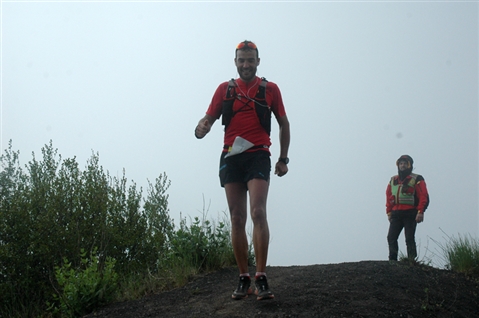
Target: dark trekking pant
402,219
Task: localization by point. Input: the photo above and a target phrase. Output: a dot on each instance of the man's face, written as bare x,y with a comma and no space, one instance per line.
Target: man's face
402,165
246,63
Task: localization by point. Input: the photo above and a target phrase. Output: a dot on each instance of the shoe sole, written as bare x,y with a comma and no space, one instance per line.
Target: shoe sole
265,298
250,291
270,296
238,298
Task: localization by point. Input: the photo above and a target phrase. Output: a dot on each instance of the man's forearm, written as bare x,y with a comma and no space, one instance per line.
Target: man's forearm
284,139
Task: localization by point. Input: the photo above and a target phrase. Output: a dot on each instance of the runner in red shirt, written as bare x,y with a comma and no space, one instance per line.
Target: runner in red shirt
246,105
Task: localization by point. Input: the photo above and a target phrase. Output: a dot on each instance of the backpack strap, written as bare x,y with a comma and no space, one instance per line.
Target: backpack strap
230,91
227,108
261,92
263,110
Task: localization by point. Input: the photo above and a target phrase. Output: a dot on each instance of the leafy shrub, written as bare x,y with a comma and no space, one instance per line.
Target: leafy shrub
201,246
53,210
83,289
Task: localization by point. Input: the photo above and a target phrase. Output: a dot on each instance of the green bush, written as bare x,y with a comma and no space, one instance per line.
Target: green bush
53,210
88,238
83,289
201,246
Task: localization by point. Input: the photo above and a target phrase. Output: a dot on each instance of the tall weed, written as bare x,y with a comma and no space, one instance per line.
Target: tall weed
460,254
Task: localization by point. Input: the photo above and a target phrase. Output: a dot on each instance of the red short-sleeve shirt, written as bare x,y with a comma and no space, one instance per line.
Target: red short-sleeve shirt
245,122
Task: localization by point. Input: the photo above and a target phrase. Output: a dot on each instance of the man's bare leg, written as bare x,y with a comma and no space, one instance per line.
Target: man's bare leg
258,192
236,197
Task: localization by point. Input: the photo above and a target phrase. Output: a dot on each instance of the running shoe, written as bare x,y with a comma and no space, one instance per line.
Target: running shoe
262,289
243,289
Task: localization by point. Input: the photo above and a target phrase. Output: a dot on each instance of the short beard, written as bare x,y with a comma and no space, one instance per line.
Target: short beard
247,79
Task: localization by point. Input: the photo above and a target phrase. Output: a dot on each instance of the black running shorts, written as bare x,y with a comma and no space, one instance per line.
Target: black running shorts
245,166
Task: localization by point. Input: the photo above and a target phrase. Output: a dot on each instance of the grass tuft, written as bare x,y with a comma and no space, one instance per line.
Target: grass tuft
461,254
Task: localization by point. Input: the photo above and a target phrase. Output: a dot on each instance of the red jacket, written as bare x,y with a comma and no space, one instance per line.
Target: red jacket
420,193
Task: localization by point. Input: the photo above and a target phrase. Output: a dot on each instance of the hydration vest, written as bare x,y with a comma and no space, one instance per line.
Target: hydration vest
263,110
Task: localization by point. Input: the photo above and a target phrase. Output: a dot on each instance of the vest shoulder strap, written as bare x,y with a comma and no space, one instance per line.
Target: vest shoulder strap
261,94
413,180
393,180
230,91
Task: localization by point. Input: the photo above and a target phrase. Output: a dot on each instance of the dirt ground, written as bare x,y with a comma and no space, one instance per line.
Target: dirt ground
361,289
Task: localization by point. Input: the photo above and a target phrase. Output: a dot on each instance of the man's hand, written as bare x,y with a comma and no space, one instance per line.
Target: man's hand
202,129
281,169
419,217
389,216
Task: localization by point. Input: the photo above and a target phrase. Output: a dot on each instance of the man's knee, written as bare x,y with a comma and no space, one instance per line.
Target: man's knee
411,242
258,214
238,218
393,236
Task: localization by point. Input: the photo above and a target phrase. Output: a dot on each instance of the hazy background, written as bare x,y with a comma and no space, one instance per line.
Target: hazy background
362,82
